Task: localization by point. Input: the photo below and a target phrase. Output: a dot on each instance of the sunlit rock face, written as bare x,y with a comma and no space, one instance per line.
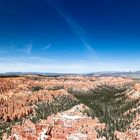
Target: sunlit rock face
71,124
20,96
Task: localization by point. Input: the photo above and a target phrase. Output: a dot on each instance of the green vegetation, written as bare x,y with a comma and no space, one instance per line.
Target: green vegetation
56,87
43,110
5,127
111,106
58,104
37,88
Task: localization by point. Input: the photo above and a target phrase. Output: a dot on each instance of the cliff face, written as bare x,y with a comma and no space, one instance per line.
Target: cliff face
23,98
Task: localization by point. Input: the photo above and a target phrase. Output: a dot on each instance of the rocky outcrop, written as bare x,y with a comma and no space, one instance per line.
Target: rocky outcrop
66,125
19,96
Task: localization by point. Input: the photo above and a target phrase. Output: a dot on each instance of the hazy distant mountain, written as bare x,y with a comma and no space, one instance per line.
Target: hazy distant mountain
135,74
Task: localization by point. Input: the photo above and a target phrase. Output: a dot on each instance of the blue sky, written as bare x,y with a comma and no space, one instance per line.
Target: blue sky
69,35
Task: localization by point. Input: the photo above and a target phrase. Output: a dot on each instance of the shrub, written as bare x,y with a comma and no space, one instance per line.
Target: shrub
58,104
37,88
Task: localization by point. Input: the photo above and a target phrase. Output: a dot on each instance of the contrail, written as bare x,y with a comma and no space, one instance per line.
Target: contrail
75,26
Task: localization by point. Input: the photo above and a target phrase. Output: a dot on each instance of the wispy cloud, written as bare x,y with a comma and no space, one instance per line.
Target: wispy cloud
62,68
13,48
46,47
42,64
76,28
28,48
7,48
29,60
